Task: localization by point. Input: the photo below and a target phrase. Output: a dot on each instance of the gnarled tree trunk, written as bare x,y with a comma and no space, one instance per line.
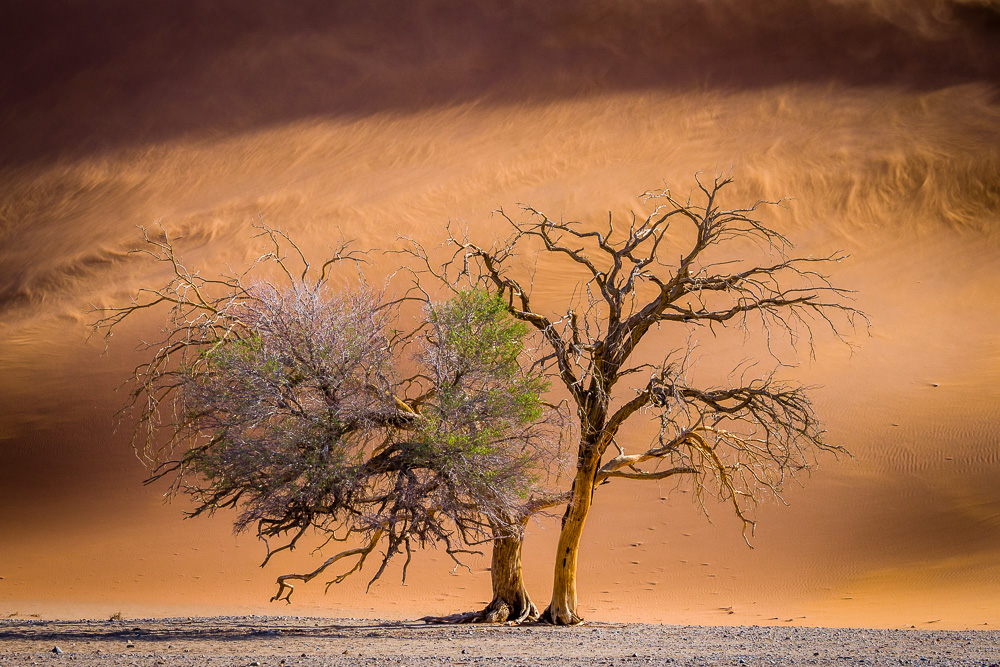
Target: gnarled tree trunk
511,602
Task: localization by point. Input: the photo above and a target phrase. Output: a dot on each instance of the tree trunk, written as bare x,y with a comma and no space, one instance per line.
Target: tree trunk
511,602
562,609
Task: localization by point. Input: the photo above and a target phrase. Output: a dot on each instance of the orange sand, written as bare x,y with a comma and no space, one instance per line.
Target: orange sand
383,127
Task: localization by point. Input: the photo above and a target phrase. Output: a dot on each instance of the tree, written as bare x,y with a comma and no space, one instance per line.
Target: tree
284,400
680,266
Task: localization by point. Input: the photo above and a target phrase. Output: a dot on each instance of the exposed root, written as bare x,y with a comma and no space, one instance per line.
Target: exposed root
569,618
497,611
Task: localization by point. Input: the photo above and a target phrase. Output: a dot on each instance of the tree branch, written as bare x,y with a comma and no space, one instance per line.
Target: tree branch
286,589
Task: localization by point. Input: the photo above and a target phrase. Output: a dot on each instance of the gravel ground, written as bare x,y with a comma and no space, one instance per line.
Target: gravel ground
285,641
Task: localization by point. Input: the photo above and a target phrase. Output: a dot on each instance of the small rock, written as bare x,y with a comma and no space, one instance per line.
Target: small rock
57,650
255,663
465,651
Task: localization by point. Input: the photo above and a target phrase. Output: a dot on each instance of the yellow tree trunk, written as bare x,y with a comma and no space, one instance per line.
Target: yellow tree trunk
562,610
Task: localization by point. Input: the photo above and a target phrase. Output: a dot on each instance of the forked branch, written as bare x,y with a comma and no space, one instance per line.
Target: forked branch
286,589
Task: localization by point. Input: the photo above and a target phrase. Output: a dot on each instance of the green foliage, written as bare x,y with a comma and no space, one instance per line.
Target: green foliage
475,327
302,421
482,424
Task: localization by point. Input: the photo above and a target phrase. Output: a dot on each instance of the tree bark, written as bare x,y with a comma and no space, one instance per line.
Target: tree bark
562,610
511,602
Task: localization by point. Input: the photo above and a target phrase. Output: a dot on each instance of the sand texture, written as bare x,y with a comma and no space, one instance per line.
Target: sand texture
275,641
880,120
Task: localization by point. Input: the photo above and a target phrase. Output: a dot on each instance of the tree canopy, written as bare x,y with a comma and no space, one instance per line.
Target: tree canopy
308,410
689,263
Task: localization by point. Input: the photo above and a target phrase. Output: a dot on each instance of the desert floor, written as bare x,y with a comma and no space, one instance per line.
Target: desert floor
295,640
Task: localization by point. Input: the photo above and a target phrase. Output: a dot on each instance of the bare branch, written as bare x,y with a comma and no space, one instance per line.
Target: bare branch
682,265
286,589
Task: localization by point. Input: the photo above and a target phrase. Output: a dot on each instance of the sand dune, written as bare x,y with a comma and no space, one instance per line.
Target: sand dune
879,119
89,80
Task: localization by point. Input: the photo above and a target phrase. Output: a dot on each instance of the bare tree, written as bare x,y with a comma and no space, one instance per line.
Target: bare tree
683,265
283,399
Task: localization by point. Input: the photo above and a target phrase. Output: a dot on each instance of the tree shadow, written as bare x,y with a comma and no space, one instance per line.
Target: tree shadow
170,630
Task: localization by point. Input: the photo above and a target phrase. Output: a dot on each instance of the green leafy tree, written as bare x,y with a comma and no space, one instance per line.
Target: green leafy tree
283,399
